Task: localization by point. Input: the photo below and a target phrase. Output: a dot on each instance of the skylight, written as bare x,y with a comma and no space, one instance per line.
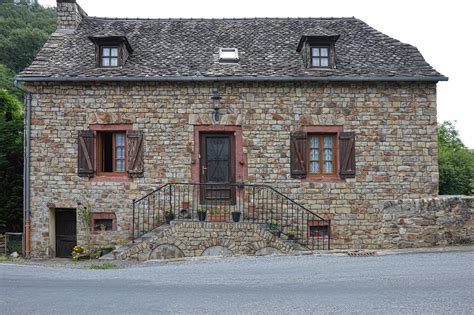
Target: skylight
228,55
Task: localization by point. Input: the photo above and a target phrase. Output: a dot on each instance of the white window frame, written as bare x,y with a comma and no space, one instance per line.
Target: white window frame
228,54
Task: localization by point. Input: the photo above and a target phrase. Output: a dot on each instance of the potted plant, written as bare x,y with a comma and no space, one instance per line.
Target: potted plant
235,215
186,202
169,216
219,215
104,250
202,212
290,233
272,226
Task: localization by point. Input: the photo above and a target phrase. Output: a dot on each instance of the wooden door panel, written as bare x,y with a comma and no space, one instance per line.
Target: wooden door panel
217,166
66,237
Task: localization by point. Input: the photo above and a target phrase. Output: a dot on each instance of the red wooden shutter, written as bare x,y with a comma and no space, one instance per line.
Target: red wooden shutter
85,153
298,154
347,154
135,163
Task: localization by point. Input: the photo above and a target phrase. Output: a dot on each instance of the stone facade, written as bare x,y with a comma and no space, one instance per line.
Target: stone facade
396,148
428,222
190,239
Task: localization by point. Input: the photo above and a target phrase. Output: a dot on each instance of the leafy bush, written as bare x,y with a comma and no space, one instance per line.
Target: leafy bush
456,162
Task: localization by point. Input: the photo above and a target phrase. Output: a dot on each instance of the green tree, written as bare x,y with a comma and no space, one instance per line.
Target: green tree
456,162
11,162
6,82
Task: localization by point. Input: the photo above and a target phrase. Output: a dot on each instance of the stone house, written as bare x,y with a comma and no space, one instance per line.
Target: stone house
329,112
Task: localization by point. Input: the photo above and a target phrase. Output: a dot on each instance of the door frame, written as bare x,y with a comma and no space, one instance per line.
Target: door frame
241,167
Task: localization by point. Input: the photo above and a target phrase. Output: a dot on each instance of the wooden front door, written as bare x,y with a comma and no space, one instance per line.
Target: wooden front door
65,232
217,152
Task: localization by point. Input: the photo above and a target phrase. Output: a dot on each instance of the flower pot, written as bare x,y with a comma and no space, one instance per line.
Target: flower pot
202,216
236,216
169,218
105,251
291,237
218,217
185,204
154,226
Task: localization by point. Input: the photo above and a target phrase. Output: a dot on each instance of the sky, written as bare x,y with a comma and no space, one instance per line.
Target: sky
441,30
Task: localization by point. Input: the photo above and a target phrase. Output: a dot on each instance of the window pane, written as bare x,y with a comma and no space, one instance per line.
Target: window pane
119,165
113,62
314,142
324,62
315,52
106,62
328,154
119,139
106,52
120,153
324,52
327,167
328,142
314,167
114,52
316,62
314,154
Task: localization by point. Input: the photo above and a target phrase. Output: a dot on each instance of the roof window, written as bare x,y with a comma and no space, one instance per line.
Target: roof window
228,55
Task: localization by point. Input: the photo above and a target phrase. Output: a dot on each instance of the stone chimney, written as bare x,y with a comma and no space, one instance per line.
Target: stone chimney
69,14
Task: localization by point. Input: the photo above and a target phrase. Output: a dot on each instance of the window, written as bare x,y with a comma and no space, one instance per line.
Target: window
104,221
321,154
112,153
228,55
320,57
109,56
318,229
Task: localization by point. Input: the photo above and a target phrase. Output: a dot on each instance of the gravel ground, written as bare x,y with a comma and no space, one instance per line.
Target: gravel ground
427,283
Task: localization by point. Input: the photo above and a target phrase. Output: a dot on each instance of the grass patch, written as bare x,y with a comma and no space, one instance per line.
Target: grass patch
103,266
9,259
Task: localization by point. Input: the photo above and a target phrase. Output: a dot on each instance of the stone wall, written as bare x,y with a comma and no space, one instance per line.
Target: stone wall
68,14
396,149
189,239
428,222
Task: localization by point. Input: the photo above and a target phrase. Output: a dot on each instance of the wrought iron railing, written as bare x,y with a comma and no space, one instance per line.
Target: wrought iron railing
249,203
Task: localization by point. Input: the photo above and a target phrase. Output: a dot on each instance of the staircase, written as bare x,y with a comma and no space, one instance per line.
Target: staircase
244,205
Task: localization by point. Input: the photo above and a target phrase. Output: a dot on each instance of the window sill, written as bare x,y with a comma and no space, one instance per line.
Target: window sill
116,179
323,179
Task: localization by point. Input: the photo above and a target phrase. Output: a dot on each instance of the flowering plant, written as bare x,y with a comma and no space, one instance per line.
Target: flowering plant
79,251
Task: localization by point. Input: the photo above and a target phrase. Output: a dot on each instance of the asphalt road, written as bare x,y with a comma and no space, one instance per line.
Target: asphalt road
441,283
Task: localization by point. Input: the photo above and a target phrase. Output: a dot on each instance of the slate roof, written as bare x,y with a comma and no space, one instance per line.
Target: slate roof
188,49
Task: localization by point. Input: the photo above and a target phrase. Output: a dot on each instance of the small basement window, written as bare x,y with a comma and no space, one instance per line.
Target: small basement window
109,56
228,55
104,221
318,229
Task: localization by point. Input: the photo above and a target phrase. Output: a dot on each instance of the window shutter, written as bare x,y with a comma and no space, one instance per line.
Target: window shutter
85,154
135,153
298,154
347,154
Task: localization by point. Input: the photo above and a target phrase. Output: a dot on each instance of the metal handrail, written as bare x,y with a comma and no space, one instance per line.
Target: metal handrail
256,203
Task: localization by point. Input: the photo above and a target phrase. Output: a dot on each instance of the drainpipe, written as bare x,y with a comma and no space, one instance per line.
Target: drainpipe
26,172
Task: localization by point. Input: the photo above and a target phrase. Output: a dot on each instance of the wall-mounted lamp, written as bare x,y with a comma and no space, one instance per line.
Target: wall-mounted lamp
216,100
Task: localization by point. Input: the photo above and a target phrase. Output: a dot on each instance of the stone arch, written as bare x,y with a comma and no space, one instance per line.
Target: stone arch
166,251
217,250
264,251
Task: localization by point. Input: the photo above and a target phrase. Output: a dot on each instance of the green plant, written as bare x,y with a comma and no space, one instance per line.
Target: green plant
272,222
103,266
201,210
95,254
108,246
84,212
80,251
290,232
218,211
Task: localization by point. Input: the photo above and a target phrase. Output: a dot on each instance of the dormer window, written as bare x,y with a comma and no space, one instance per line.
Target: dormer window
109,56
111,50
320,56
318,51
228,55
